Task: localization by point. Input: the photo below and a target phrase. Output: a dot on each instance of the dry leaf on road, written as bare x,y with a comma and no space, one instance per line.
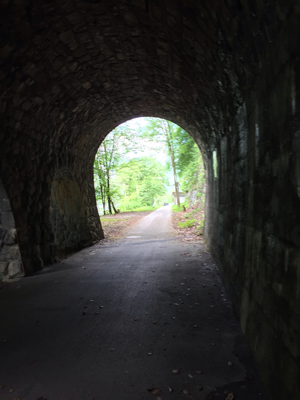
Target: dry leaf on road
230,396
154,391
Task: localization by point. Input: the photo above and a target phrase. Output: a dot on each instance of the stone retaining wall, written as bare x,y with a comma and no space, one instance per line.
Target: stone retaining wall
10,257
68,220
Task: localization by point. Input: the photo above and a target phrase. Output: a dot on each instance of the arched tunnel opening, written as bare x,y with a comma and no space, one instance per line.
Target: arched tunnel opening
226,72
149,162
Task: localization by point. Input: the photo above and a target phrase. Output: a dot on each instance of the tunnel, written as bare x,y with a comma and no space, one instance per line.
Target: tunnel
225,71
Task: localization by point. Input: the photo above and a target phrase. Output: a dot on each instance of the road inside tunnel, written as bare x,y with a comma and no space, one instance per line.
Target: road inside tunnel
115,320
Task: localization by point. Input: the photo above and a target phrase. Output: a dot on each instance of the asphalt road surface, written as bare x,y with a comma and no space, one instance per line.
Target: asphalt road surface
116,322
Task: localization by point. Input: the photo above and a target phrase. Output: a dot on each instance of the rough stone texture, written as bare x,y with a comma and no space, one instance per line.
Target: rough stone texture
228,73
10,257
67,216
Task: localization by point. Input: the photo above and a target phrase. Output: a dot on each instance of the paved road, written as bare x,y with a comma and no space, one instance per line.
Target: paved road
114,320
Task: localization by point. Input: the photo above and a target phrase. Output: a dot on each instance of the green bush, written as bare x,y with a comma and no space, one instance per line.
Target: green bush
191,213
130,203
176,208
187,224
200,227
147,208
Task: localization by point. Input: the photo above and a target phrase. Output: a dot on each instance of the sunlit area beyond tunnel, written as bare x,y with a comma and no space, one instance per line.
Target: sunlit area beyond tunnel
144,164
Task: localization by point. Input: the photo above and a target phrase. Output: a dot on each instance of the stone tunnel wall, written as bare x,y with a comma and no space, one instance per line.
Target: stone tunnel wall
71,227
253,212
10,257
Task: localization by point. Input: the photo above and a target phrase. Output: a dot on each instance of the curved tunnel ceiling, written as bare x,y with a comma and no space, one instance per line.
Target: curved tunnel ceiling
72,71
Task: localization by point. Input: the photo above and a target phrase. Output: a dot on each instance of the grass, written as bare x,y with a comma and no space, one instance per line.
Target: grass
145,208
191,213
187,224
108,221
176,208
200,227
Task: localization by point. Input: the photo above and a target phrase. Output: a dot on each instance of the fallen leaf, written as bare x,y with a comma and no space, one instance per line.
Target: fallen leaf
154,391
175,371
230,396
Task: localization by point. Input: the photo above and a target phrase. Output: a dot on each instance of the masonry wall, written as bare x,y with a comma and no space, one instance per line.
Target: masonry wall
253,227
70,225
10,257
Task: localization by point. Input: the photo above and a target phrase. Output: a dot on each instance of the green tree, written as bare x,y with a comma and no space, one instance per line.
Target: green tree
110,154
185,160
163,131
141,180
189,160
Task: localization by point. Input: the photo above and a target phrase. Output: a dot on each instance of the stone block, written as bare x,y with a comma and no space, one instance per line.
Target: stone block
3,268
4,204
74,238
15,269
9,253
3,231
11,236
8,219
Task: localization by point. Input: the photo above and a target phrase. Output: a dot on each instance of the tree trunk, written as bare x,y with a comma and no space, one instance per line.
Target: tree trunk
169,142
113,206
175,181
102,194
109,201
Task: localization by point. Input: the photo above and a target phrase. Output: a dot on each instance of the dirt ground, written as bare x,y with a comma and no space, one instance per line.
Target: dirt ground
115,226
194,233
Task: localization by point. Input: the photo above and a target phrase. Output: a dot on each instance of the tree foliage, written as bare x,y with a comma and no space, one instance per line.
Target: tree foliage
141,181
109,156
123,180
185,160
